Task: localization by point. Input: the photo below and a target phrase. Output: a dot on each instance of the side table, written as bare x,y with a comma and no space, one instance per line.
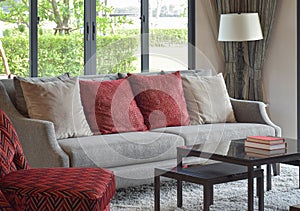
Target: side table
206,175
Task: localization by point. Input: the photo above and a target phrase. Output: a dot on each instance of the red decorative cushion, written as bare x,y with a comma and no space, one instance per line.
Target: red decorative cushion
110,107
59,189
160,99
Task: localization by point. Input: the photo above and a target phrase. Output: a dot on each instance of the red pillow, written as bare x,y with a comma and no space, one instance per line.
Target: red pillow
110,107
160,99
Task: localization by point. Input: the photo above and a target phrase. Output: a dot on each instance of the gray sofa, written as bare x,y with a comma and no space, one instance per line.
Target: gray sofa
133,155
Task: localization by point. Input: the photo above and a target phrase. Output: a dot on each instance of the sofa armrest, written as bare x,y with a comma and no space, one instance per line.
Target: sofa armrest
252,112
37,137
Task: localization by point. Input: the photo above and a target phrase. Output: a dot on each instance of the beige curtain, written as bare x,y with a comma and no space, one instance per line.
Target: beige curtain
246,84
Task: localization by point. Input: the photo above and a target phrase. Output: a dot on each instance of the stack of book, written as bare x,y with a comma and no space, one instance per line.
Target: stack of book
264,146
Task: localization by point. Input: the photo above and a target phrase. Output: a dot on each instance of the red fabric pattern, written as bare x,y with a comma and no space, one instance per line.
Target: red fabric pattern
11,153
110,107
59,189
160,99
4,205
69,189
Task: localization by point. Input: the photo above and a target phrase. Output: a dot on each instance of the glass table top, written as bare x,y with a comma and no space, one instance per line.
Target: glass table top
235,149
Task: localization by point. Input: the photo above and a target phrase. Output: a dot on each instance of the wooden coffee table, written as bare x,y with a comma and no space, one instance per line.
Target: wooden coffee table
206,175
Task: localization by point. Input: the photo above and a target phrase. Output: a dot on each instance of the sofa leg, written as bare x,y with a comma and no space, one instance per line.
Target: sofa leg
276,169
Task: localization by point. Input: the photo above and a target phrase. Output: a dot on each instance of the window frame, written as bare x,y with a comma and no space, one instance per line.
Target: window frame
90,36
33,38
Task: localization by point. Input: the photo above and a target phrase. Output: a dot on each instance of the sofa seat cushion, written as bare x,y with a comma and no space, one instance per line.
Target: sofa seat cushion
121,149
219,132
73,189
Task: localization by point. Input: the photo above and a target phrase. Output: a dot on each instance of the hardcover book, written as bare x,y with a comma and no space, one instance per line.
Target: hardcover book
256,155
265,146
264,152
266,139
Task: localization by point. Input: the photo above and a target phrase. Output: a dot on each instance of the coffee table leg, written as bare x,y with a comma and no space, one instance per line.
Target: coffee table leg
156,192
250,188
207,197
260,186
269,177
179,193
257,183
211,195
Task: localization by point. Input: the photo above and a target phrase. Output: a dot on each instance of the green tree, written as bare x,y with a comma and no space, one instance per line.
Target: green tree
60,12
106,23
15,12
65,14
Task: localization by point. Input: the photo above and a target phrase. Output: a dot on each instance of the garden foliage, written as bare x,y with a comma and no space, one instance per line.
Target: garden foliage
58,54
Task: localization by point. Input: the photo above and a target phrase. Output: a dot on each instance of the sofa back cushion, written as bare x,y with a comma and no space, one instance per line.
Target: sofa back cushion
58,102
110,107
207,99
100,77
160,99
8,84
196,72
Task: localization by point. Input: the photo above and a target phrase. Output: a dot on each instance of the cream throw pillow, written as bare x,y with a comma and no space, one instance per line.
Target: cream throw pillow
58,102
207,99
20,100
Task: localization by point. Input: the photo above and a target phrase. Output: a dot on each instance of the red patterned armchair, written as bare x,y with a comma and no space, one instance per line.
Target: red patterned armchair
48,188
4,205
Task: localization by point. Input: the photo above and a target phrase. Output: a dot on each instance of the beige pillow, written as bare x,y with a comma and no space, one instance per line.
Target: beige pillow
207,99
58,102
20,101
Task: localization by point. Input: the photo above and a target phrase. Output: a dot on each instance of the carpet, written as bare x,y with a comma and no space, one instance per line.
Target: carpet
229,196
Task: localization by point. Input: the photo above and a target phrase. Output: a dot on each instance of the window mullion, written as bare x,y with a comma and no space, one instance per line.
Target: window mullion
191,34
90,37
145,35
33,39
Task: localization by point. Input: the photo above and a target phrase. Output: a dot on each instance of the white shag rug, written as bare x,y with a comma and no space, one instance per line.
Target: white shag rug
229,196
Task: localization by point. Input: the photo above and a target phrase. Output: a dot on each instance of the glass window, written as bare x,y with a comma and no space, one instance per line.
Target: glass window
64,25
118,40
60,37
14,35
168,35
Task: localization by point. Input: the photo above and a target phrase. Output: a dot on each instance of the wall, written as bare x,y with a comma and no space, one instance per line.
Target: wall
280,69
207,49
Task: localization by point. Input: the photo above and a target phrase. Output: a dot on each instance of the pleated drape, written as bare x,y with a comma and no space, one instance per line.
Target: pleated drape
247,84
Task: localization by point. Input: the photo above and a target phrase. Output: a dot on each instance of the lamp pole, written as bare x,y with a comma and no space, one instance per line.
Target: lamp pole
240,71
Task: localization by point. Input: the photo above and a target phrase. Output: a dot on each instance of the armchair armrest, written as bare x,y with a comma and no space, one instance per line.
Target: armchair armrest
252,112
37,137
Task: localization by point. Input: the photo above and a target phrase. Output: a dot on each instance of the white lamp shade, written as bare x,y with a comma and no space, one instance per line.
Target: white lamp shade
240,27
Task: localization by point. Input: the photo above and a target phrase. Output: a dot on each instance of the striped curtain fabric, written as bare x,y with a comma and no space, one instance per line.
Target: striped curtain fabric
246,84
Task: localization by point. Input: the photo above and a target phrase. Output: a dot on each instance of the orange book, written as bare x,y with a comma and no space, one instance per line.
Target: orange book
266,139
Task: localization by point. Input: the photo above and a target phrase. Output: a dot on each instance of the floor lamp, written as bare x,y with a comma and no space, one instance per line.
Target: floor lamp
240,27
